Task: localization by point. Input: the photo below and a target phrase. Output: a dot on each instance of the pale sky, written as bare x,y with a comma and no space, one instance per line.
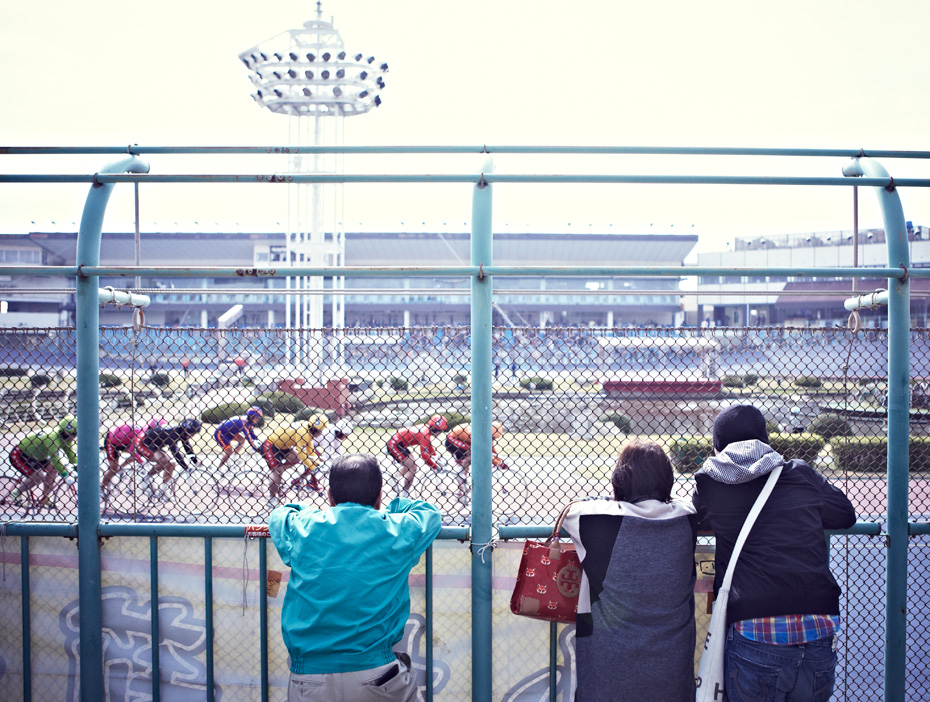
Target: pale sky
824,74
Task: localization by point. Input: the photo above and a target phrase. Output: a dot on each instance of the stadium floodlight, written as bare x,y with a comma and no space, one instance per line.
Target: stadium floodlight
346,87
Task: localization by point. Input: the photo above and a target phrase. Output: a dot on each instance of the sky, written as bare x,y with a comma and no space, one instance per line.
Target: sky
842,74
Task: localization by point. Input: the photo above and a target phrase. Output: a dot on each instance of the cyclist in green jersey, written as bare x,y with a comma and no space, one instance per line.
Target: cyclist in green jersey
37,458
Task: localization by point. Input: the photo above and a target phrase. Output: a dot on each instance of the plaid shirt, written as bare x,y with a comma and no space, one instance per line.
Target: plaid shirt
789,629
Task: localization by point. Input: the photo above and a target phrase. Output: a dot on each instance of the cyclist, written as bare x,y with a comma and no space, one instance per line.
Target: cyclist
329,444
288,445
154,446
36,458
119,440
399,445
232,434
458,444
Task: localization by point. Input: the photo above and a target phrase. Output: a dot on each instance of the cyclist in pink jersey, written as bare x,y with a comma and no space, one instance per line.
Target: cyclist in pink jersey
123,439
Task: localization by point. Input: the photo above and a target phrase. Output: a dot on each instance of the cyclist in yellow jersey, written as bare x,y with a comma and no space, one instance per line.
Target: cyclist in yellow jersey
288,445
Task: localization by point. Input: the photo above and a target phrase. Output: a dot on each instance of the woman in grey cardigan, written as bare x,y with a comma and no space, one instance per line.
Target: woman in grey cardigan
635,632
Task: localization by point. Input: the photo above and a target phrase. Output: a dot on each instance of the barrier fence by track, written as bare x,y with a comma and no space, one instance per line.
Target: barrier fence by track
190,568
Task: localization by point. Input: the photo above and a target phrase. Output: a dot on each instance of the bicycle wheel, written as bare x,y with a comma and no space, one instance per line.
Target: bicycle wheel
14,510
510,493
65,501
196,492
246,493
124,494
441,489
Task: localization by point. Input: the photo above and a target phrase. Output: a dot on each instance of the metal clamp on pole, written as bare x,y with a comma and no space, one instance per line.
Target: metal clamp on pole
879,298
108,295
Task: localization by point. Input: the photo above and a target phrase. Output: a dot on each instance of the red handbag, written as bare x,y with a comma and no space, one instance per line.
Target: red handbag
549,579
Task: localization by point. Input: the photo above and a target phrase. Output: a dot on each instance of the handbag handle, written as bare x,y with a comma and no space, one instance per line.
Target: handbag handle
555,546
747,525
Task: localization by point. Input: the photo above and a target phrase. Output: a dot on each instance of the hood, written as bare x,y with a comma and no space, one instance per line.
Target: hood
741,462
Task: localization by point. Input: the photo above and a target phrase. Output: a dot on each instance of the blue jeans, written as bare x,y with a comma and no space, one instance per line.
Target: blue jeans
761,672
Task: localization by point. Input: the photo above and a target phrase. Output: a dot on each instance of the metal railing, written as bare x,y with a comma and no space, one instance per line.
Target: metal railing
480,272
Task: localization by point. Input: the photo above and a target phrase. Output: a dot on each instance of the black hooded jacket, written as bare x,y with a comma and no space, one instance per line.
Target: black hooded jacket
784,567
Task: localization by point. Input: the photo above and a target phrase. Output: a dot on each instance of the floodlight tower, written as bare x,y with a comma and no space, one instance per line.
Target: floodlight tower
308,75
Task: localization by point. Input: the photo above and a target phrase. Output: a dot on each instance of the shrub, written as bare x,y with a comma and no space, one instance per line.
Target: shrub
12,372
397,383
40,380
829,425
110,380
802,446
869,454
224,411
808,381
771,427
750,379
688,455
453,418
307,412
535,382
278,401
160,379
621,421
732,381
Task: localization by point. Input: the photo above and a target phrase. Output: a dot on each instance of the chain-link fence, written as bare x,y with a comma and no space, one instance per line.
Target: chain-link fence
566,400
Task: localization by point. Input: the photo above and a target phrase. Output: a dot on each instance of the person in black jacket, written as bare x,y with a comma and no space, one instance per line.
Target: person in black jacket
155,444
783,610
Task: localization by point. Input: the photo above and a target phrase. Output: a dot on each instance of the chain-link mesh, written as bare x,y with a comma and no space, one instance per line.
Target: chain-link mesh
567,399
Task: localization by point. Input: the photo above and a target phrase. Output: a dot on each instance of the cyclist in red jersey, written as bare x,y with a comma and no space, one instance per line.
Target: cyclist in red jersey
399,445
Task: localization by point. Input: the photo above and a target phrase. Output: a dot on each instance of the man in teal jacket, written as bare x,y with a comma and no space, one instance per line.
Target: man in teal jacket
348,596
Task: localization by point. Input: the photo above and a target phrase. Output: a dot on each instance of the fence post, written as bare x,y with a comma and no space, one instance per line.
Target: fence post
899,336
87,321
481,374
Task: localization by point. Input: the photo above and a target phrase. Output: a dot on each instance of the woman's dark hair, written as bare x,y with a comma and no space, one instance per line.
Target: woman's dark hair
643,472
355,477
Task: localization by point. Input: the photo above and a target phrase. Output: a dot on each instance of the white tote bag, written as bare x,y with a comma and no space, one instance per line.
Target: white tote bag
710,681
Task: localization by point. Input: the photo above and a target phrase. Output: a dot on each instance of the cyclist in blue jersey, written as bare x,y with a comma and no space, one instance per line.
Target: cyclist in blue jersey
232,434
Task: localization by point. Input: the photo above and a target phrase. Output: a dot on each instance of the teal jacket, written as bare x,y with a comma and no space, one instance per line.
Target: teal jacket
348,598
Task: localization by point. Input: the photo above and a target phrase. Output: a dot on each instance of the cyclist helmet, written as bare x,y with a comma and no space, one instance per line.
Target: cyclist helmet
68,426
317,423
497,430
437,424
190,426
344,427
255,415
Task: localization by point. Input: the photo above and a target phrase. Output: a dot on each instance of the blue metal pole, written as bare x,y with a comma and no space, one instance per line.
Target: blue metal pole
154,621
481,374
429,624
208,613
87,315
27,617
899,324
263,614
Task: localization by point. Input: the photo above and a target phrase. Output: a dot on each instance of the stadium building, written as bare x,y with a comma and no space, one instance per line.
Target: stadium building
369,302
771,300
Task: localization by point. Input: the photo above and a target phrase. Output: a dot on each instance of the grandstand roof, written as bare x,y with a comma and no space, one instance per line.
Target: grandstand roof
386,248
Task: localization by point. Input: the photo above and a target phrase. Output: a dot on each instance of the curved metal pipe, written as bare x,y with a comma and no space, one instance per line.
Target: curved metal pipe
899,322
87,321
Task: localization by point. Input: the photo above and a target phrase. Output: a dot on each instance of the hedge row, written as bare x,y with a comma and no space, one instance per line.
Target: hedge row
688,455
536,382
870,454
